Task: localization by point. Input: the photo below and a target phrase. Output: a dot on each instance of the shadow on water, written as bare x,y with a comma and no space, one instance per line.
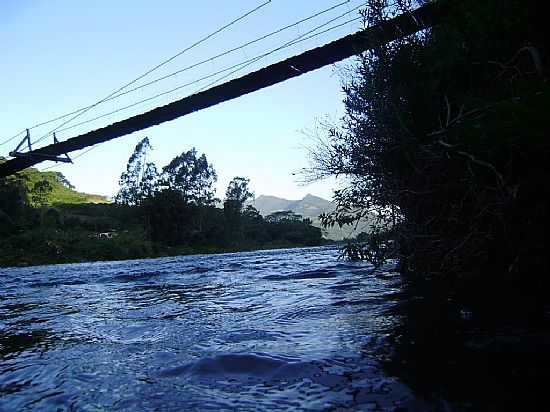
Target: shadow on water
18,343
489,353
285,330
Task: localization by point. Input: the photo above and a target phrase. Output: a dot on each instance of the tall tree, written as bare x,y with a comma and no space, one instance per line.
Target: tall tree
139,179
236,195
148,185
193,177
442,135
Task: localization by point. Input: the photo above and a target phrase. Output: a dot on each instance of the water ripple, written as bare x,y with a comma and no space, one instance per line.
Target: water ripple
284,330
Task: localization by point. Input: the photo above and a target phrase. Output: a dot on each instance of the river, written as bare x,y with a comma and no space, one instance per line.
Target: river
292,329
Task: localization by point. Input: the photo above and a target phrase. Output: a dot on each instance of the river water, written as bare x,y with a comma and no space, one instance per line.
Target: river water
289,329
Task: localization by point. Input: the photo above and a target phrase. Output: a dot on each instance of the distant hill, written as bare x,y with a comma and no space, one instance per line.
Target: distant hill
310,206
62,191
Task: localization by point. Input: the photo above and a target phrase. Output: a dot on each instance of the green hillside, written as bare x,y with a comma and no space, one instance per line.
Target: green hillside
56,190
62,192
43,220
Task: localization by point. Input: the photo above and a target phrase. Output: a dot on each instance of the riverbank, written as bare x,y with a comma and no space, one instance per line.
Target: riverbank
44,247
43,220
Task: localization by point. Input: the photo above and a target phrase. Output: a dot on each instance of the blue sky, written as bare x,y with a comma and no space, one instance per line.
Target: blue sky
60,55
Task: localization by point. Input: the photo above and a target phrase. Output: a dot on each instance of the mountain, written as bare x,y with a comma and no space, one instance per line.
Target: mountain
311,207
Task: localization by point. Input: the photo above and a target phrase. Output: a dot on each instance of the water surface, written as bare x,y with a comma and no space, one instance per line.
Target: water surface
286,329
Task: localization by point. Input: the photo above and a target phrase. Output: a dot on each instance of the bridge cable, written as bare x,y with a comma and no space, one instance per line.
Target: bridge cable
198,42
237,67
210,59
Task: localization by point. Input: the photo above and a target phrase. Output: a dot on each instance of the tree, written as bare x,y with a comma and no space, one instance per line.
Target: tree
12,195
148,185
140,178
252,214
60,177
13,203
176,204
40,193
192,177
253,225
284,216
378,121
165,213
236,195
442,138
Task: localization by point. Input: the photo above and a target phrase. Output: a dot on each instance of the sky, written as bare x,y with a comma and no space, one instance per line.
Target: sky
61,55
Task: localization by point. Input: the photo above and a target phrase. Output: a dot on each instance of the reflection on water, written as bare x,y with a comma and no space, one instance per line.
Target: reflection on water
287,329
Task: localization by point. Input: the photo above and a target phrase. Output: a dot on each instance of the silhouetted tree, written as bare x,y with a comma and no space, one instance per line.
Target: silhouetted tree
12,202
192,177
12,195
63,180
236,195
165,213
284,215
442,138
252,214
140,178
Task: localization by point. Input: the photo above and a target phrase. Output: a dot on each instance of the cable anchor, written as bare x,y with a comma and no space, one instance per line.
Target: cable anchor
42,156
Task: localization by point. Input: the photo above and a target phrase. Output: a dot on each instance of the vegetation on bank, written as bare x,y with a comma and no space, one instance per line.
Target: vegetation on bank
445,139
43,220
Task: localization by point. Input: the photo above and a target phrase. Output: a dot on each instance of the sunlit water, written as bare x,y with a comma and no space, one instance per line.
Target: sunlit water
287,329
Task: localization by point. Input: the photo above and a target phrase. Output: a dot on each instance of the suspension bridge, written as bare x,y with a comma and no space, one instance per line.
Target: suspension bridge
400,26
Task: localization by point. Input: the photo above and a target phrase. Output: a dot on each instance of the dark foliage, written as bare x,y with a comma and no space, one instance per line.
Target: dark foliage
140,178
445,139
154,215
445,136
236,195
192,177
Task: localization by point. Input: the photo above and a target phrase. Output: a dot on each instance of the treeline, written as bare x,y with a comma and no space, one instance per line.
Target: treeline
179,207
44,220
24,196
156,213
445,140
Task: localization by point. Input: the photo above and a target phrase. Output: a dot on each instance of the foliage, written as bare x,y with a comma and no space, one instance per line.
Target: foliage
139,179
39,193
154,216
236,195
13,198
375,247
447,132
444,138
191,176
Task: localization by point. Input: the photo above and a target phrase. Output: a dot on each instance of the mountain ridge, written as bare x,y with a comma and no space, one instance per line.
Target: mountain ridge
310,206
